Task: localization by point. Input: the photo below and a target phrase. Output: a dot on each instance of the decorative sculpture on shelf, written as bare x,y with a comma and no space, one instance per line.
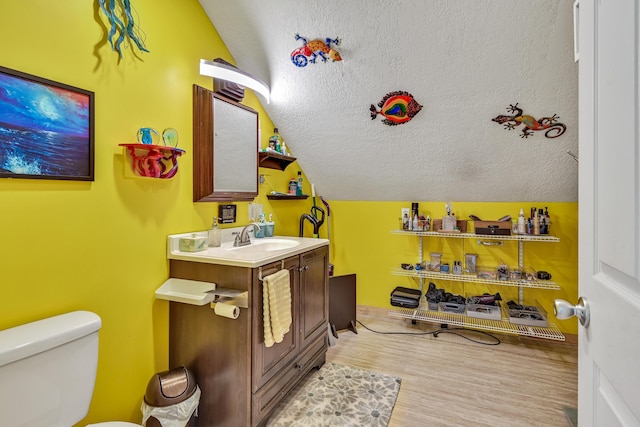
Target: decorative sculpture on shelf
313,49
553,128
119,15
170,137
147,136
397,107
155,161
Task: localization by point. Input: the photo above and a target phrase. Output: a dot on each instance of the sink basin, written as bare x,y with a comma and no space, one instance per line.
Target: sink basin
260,252
266,245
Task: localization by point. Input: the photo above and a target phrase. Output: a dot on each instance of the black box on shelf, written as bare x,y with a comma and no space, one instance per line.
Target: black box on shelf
493,228
405,297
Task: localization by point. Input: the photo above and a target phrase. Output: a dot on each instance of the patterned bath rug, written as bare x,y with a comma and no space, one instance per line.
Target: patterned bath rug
339,396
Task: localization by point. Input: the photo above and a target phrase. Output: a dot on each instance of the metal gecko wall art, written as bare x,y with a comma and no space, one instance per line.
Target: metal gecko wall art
310,50
397,107
118,13
550,125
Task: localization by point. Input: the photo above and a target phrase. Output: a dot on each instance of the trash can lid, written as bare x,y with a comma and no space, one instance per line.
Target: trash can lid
170,387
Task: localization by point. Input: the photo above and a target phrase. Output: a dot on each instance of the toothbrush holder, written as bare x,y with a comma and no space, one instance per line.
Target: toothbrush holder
268,229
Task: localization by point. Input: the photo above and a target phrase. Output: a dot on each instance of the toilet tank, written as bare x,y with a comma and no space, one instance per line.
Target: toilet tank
48,370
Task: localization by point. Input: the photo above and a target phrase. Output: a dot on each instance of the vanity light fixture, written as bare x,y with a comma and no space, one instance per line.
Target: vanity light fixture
221,71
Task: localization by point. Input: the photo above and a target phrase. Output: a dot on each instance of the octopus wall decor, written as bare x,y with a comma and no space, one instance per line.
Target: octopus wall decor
122,24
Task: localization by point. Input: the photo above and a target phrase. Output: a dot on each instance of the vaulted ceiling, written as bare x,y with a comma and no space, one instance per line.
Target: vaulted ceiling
464,61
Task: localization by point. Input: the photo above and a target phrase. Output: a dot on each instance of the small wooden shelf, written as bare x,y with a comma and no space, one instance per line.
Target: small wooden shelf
273,160
279,197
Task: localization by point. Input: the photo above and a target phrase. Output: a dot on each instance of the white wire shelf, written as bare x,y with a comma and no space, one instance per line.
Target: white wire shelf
515,237
501,326
425,274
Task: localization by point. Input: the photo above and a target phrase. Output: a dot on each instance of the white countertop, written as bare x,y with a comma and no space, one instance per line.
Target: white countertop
261,251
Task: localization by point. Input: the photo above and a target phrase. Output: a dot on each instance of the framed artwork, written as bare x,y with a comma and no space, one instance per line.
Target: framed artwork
46,128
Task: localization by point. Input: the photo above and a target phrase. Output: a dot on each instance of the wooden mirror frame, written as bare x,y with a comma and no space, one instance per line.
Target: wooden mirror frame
203,150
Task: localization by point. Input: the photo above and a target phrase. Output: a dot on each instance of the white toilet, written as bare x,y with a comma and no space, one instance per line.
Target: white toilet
48,371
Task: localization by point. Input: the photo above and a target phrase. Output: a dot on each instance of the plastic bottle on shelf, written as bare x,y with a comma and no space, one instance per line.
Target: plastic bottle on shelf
299,186
522,228
293,186
275,141
547,220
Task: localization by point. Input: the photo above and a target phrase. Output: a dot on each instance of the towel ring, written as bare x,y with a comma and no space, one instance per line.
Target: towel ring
260,270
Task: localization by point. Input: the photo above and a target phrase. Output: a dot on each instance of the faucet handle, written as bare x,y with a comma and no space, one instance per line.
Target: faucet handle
236,241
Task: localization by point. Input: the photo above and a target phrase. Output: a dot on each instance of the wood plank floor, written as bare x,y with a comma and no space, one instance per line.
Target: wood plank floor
450,381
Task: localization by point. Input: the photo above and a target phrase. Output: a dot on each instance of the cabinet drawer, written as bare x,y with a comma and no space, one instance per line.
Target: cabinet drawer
269,396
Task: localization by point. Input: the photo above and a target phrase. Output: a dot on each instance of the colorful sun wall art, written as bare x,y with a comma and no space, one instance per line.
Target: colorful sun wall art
550,125
310,51
397,108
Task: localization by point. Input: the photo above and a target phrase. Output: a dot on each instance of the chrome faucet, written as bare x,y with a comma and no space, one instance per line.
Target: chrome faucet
243,239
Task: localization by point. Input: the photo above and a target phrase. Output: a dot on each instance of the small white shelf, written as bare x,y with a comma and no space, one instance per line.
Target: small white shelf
515,237
550,332
187,291
424,274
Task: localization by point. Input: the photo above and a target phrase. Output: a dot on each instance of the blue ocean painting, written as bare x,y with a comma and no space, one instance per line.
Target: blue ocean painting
44,130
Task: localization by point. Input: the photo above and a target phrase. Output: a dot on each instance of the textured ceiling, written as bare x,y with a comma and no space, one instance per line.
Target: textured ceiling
464,61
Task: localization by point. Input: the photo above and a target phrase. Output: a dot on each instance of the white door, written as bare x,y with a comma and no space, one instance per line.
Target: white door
609,213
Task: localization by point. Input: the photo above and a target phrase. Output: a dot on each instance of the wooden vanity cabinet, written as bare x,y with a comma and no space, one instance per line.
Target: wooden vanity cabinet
241,380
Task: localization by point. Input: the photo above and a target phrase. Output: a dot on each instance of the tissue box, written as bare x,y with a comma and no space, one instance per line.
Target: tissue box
193,244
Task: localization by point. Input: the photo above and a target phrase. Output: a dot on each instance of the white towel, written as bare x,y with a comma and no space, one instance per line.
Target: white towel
276,306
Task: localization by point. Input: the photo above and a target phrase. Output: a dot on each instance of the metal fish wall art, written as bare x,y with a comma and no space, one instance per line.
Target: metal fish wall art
397,107
550,125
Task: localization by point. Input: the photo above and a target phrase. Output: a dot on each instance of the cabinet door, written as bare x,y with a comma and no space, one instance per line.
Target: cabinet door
314,295
268,361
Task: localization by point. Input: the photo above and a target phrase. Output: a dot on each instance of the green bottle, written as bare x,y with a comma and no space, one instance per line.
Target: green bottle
274,141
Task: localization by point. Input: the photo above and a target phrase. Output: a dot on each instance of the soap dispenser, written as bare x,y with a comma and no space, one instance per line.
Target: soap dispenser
215,236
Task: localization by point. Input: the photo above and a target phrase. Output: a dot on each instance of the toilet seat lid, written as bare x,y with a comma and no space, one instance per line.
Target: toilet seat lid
114,424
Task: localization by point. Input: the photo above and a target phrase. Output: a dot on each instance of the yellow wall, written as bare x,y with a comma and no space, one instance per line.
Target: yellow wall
100,245
362,243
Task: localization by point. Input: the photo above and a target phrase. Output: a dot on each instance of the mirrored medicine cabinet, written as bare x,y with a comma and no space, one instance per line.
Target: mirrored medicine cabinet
225,148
